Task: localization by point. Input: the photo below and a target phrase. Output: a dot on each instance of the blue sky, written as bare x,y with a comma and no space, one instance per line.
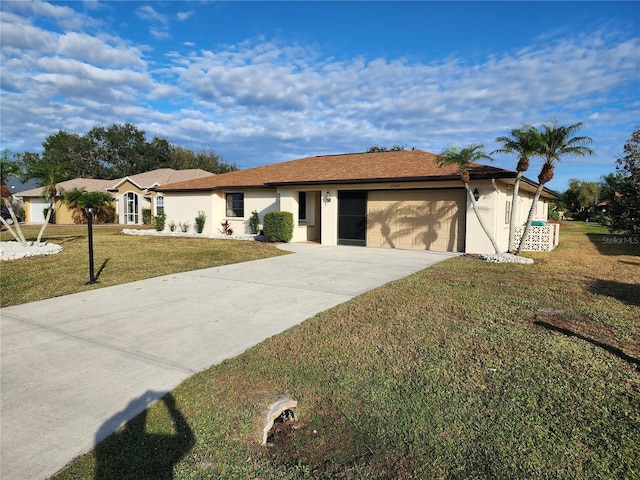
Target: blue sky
264,82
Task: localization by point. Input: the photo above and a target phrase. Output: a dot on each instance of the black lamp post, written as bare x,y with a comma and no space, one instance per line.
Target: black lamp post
88,208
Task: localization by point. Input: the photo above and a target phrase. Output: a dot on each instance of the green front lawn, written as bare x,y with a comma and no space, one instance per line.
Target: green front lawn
118,259
463,370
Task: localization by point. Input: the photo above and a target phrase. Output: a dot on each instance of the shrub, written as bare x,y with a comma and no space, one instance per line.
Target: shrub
278,226
146,216
159,220
184,227
200,219
553,215
226,228
172,226
254,222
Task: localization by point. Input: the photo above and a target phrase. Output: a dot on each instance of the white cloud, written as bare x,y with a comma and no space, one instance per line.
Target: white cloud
288,100
182,16
159,28
97,50
148,14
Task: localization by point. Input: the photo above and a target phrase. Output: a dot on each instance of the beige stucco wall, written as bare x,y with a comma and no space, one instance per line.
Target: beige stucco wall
259,200
183,207
492,207
322,209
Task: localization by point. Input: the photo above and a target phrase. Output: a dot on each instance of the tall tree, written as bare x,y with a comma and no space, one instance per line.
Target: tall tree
523,142
120,148
463,158
7,169
183,158
624,204
556,142
581,195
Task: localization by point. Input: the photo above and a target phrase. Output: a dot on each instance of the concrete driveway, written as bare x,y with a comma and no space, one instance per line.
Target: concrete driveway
72,365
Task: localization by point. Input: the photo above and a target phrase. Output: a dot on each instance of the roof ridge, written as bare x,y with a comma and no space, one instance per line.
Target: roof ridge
365,153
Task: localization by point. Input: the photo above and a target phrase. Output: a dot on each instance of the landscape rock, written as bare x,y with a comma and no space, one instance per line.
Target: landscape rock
505,258
13,250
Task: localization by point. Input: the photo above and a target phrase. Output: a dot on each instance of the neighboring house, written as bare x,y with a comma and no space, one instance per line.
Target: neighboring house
130,195
16,186
35,206
398,199
134,193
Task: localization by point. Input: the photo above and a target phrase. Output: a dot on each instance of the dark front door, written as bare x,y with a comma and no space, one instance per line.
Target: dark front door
352,218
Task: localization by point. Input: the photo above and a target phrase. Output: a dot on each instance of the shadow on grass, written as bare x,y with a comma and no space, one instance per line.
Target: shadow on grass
132,452
610,244
628,293
609,348
102,267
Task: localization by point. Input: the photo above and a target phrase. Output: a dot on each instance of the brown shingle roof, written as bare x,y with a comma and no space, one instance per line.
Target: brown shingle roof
404,165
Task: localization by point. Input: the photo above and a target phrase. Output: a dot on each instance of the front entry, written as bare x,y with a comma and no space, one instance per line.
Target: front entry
352,218
131,208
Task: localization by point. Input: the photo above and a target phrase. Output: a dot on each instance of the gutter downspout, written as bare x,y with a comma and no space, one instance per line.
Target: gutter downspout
497,204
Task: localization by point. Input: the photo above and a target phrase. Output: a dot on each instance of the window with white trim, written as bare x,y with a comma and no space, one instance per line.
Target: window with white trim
159,205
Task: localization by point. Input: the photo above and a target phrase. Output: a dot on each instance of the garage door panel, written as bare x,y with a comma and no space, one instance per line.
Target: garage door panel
417,219
36,211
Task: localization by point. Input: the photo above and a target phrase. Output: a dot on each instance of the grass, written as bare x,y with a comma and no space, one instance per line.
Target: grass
118,259
463,370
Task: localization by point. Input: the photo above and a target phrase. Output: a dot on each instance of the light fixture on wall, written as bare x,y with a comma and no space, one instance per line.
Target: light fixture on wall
476,194
327,197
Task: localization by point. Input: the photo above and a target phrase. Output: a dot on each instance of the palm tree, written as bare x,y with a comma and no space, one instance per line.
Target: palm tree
77,198
49,176
555,141
524,142
8,169
463,158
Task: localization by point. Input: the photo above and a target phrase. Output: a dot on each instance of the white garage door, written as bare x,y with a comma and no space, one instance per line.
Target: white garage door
36,211
418,219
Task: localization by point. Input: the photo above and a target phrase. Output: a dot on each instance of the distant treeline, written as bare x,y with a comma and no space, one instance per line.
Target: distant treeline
115,152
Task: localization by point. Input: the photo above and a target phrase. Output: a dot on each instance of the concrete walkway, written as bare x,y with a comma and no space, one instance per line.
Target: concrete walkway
72,365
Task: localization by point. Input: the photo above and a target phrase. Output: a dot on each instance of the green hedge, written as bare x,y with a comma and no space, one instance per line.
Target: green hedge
146,216
278,226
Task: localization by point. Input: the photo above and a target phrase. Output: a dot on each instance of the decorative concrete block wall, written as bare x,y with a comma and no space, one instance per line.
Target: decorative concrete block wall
541,238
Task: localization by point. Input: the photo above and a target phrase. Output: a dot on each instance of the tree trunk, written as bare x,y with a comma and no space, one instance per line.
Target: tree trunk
514,209
18,235
532,210
482,224
523,165
546,174
10,230
46,222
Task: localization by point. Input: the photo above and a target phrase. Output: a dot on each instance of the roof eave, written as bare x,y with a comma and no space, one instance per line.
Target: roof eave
213,188
548,191
430,178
